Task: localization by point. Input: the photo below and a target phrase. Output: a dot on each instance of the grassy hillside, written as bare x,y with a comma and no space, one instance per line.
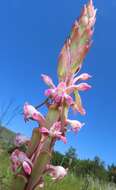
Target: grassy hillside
6,135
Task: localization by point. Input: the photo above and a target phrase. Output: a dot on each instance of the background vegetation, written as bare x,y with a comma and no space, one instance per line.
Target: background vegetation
83,174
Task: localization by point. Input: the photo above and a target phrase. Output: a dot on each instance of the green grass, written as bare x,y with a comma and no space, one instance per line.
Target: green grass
5,171
71,182
6,135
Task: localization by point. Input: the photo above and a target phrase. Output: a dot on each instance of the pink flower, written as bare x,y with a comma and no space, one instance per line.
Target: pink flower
68,99
57,91
57,172
20,139
50,92
76,125
79,87
31,113
48,81
54,131
59,94
84,76
83,86
19,158
62,93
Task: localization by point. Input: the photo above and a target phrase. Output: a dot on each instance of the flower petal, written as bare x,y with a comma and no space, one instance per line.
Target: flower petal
69,100
39,117
27,168
56,127
76,125
44,130
80,87
83,86
30,112
49,92
57,99
57,172
48,80
63,138
84,76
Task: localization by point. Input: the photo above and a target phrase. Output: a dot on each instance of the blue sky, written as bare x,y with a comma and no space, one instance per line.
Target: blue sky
31,36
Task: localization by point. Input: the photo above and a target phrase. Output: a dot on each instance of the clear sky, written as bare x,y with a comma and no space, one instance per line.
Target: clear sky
31,36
